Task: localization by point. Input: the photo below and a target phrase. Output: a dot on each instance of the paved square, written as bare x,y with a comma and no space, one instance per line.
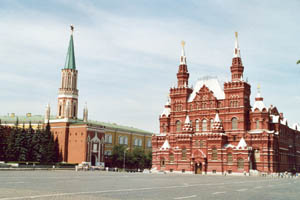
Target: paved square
136,186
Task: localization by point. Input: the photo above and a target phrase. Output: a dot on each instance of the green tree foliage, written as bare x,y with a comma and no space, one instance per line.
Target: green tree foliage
298,62
29,145
137,159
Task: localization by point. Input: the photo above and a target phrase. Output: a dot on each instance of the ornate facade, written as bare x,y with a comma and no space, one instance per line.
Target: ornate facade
214,129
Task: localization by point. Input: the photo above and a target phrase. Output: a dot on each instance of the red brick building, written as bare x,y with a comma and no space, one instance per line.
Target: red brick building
214,129
79,141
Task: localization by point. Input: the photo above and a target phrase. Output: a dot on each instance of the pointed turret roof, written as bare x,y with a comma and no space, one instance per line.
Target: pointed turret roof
187,120
259,103
217,124
242,144
165,146
70,60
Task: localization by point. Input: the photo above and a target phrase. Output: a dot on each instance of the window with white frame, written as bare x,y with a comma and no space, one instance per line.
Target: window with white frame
149,143
121,140
126,140
108,139
95,147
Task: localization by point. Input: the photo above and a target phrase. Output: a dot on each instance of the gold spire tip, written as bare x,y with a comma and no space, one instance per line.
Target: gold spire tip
236,34
72,28
258,87
182,43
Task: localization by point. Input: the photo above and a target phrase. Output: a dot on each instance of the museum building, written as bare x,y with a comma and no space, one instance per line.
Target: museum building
210,129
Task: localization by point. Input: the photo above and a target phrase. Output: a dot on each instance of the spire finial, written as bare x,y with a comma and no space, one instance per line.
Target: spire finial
236,52
182,43
182,57
72,28
258,91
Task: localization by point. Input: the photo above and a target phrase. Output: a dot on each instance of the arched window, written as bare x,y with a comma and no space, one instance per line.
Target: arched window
183,153
74,112
204,125
164,128
149,143
125,140
234,123
108,139
211,124
256,155
140,142
178,126
136,142
162,162
214,154
197,125
121,141
171,157
257,124
59,110
240,163
229,158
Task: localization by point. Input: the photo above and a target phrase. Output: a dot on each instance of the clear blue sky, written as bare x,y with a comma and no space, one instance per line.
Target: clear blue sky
127,53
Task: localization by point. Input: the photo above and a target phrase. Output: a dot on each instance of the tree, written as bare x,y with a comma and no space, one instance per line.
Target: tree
22,145
118,155
138,158
298,62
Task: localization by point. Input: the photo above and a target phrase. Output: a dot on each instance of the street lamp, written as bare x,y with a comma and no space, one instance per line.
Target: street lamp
126,149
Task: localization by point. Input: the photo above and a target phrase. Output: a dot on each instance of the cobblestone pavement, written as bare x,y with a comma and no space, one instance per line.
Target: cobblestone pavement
136,186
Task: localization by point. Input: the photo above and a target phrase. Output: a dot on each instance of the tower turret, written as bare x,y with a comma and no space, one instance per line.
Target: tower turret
237,67
68,93
182,75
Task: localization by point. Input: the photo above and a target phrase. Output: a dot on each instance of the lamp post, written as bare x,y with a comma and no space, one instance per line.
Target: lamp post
126,149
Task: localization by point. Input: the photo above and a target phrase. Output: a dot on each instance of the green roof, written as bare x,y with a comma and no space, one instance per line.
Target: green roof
35,119
70,60
119,127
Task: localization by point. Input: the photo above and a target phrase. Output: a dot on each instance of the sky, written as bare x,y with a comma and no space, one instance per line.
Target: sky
127,53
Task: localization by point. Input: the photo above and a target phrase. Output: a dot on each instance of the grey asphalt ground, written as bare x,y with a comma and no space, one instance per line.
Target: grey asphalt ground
137,186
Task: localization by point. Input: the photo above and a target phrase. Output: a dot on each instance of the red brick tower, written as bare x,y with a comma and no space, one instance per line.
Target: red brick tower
68,93
237,96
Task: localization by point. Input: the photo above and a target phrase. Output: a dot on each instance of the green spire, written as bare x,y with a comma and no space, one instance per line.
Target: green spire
70,60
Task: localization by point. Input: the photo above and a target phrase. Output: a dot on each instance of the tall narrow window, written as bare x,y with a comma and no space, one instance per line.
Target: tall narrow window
211,124
59,110
74,112
229,158
256,155
171,157
240,163
162,162
204,125
197,125
126,140
164,128
183,153
234,123
121,140
214,154
178,126
257,124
